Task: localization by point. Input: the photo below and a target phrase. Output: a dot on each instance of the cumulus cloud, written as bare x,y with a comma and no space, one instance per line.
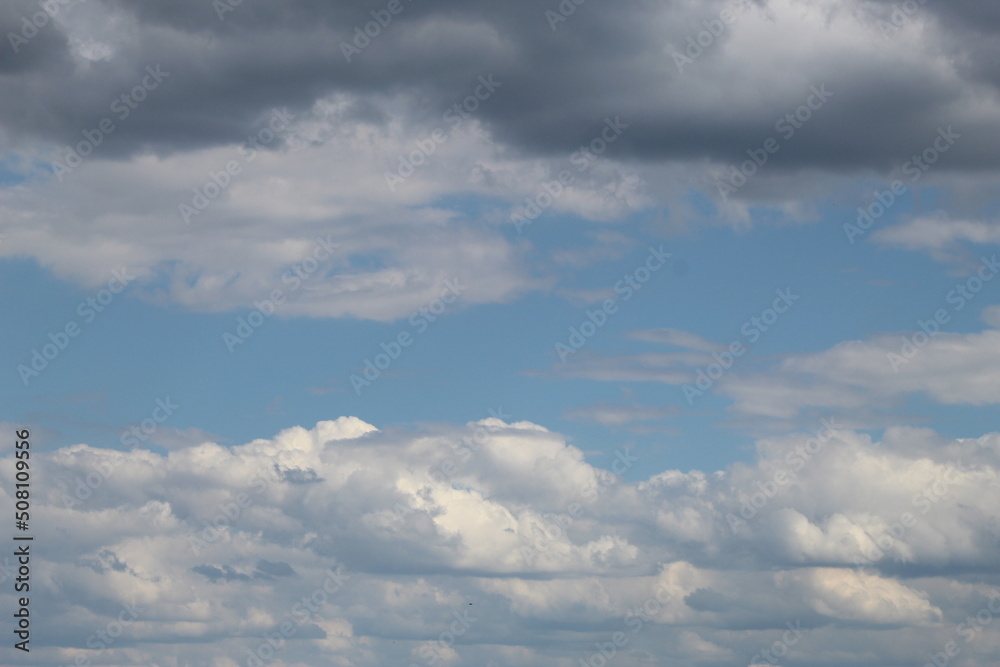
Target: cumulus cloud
452,540
337,175
298,221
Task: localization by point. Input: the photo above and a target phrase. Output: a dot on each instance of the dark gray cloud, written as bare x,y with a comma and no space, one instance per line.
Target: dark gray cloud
557,85
705,599
47,47
297,475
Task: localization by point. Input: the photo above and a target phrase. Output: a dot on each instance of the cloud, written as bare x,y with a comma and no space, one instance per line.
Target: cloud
668,368
857,380
354,122
675,112
216,547
948,368
309,222
677,338
610,414
935,233
942,238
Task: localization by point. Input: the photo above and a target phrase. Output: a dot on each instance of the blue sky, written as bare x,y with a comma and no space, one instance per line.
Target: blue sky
297,370
504,334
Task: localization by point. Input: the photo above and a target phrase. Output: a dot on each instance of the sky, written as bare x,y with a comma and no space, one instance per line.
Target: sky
434,333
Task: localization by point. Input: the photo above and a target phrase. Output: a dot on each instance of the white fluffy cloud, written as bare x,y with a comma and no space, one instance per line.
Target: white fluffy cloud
502,542
393,253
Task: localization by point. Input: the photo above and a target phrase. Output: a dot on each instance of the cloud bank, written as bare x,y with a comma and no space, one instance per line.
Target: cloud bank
497,543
